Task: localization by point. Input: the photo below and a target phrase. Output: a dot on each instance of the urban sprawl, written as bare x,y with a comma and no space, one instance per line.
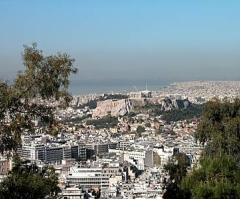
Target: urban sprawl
120,160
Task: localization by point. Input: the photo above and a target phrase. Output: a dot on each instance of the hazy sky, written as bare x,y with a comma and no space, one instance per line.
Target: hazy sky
123,39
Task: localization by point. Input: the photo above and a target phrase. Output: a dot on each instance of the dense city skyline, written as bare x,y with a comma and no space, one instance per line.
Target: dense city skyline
176,136
119,41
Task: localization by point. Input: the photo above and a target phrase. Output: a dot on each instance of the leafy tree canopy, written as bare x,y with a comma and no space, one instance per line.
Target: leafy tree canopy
219,128
140,129
26,180
107,121
177,170
35,93
217,175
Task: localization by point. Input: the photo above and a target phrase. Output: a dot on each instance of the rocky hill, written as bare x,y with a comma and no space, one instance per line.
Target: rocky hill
170,104
124,106
114,107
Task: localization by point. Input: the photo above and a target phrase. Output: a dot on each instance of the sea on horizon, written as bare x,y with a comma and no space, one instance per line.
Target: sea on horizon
107,86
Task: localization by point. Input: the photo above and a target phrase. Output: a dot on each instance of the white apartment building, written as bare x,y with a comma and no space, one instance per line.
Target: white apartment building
87,177
134,154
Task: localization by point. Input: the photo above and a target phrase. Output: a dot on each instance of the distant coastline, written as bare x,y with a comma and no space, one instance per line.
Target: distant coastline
85,89
112,86
81,87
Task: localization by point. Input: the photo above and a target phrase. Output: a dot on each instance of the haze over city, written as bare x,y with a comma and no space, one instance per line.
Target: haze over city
123,43
120,99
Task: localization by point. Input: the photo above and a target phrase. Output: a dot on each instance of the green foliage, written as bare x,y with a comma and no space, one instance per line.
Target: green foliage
220,128
28,181
218,173
171,132
35,93
217,177
195,111
160,131
149,107
182,114
177,169
140,129
44,80
104,122
148,124
131,114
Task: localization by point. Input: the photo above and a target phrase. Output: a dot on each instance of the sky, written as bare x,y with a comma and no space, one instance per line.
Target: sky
120,41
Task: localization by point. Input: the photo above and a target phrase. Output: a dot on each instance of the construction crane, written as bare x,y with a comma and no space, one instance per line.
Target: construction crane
136,88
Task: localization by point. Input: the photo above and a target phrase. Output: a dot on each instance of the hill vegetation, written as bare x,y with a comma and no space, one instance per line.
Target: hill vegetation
217,175
193,111
104,122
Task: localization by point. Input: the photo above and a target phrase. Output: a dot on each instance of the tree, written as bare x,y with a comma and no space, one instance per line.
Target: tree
140,129
35,93
107,121
148,125
177,167
217,175
26,180
219,129
177,170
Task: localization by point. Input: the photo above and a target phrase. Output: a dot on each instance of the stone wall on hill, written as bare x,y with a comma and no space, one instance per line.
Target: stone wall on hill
113,107
124,106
